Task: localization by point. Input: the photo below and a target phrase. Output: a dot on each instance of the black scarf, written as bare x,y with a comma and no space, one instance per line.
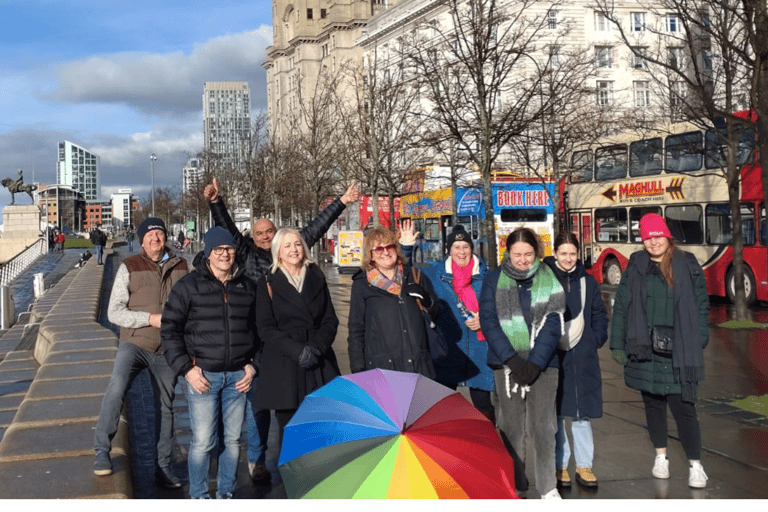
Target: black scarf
687,353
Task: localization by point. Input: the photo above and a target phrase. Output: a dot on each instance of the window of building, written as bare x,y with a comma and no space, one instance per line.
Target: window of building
601,23
323,13
554,55
604,93
673,23
553,19
637,21
603,57
642,93
675,57
638,57
309,14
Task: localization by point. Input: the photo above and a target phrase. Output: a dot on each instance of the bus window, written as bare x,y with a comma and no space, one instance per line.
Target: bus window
685,223
611,162
611,225
720,224
683,152
645,157
583,165
523,215
635,214
717,149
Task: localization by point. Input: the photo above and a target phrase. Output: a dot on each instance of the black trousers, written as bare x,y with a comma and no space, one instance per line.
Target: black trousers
685,417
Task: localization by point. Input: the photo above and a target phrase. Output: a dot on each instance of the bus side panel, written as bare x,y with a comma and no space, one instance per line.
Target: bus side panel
755,259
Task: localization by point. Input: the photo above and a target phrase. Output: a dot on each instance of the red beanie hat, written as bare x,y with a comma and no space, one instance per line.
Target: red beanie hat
653,225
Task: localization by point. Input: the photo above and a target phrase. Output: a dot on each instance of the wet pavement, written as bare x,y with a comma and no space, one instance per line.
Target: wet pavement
735,440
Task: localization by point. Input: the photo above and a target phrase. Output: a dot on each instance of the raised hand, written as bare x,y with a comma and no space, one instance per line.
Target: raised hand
211,192
407,234
352,194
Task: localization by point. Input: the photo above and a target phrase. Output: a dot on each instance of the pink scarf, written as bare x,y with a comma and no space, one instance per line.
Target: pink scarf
462,285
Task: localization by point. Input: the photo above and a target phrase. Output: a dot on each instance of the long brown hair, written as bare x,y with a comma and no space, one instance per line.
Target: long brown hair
383,236
666,263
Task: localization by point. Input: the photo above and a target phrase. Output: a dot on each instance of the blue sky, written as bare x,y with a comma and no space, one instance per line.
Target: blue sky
122,79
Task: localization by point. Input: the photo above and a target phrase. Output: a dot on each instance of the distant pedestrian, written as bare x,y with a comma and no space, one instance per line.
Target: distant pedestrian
130,237
521,309
60,238
659,329
139,291
99,240
580,391
207,332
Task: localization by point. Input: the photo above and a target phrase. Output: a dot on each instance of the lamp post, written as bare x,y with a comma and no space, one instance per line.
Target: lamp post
152,159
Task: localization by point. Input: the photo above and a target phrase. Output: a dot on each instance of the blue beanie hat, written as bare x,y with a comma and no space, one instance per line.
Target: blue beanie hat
148,225
216,237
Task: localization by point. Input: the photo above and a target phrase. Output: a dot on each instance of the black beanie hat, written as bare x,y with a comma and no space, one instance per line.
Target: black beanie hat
149,224
459,235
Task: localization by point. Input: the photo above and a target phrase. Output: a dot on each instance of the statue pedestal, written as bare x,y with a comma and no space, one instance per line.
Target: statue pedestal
21,228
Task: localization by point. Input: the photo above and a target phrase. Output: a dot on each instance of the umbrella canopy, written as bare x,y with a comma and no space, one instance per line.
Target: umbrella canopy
386,434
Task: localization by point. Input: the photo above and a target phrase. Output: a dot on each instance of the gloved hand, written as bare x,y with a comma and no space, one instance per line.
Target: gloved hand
417,291
619,356
523,372
308,357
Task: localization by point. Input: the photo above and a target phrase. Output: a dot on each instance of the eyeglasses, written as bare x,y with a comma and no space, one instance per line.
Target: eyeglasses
384,248
218,251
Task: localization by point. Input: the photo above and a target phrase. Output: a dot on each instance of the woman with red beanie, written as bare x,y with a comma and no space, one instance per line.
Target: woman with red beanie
659,330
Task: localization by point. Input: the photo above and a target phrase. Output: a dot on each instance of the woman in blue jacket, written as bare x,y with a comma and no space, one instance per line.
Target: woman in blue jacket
580,394
521,311
457,281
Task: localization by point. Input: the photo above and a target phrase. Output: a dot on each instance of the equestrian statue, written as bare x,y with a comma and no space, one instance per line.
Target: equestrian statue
18,185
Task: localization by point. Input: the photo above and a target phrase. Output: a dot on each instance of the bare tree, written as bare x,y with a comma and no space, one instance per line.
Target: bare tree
475,93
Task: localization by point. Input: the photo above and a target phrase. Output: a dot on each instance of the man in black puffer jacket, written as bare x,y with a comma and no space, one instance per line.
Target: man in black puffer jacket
255,254
207,333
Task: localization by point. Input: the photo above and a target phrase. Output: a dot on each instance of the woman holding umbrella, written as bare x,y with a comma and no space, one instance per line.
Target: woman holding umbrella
521,310
457,281
659,330
297,325
580,393
386,325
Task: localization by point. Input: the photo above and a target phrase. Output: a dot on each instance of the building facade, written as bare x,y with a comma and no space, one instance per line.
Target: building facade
63,206
79,168
227,122
122,206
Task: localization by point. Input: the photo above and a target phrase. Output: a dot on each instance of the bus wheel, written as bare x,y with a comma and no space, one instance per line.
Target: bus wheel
612,272
749,285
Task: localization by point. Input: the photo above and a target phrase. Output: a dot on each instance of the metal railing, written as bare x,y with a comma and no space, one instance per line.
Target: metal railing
22,261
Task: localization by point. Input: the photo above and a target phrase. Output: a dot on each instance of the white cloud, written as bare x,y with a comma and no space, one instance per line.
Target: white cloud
169,83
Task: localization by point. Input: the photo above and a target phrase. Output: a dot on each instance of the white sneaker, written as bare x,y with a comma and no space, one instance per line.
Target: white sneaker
551,495
697,478
661,466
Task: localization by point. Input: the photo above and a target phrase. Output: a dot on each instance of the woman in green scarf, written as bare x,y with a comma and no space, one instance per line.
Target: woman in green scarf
521,311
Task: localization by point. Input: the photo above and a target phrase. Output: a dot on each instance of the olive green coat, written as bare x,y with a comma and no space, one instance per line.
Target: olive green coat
654,376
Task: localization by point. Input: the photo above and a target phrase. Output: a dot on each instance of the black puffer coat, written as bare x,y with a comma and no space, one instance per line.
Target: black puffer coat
257,260
210,324
388,331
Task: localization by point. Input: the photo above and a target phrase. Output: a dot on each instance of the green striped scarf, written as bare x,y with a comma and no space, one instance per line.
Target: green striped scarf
547,297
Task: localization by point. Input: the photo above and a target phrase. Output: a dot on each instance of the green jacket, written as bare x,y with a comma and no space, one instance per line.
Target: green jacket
654,376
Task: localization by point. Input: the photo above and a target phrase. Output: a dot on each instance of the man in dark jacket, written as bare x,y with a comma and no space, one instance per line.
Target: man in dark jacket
207,335
139,291
255,253
99,240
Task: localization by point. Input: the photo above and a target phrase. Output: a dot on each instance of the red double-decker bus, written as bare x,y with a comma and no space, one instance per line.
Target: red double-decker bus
676,173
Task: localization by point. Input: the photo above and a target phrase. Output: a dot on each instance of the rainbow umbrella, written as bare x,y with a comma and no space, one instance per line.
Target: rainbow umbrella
386,434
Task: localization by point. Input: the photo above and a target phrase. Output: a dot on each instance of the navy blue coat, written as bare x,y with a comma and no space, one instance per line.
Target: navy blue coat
580,392
499,347
466,362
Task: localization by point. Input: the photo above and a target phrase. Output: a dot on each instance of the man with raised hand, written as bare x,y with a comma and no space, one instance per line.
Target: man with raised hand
256,256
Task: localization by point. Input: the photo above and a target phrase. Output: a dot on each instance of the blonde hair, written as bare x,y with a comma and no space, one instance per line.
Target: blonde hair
277,241
379,235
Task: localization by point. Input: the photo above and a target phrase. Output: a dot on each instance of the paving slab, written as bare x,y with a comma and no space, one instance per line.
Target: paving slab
72,440
11,401
17,375
64,371
85,355
61,388
83,344
62,410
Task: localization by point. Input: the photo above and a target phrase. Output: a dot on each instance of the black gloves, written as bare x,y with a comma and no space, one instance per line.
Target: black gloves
523,372
417,291
308,357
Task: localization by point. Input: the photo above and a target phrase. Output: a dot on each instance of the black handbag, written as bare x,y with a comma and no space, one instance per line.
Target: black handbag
663,338
438,347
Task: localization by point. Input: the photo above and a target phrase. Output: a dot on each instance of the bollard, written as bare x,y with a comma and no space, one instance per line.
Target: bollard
38,285
7,308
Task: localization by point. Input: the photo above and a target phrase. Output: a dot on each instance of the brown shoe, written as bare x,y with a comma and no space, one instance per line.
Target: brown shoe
563,478
586,477
259,472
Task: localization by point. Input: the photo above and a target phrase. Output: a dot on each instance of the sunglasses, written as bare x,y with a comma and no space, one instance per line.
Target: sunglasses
384,248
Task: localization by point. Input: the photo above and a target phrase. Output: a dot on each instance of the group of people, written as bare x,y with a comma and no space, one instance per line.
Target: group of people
56,241
251,328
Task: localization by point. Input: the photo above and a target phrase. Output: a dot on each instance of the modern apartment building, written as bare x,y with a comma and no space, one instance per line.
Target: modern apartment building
192,175
227,121
79,168
122,205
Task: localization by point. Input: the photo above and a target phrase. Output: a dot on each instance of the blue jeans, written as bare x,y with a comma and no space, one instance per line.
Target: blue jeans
223,402
99,253
258,421
129,361
583,444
